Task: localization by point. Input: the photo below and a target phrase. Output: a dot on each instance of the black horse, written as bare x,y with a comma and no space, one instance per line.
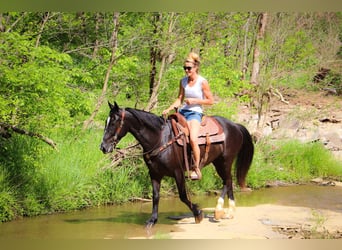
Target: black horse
164,157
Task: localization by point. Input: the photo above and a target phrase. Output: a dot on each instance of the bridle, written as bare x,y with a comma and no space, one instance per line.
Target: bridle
118,129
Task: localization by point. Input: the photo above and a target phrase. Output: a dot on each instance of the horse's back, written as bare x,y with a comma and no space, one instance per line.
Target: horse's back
225,123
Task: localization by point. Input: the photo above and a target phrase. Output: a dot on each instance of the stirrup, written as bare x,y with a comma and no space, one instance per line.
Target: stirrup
196,174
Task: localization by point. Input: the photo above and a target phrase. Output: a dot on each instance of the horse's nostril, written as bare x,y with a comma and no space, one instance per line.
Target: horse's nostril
102,148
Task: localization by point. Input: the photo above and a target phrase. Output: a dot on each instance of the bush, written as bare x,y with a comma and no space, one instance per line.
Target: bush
291,161
9,209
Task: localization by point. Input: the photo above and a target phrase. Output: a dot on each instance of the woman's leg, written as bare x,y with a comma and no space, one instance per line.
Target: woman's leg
194,126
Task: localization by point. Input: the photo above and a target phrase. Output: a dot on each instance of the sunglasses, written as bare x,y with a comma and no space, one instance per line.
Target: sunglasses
187,67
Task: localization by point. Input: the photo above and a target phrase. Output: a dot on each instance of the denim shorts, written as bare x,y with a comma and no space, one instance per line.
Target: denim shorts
191,115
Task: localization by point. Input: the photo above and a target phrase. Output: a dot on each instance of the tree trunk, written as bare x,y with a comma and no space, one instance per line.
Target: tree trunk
153,99
261,98
156,19
244,64
2,27
45,19
114,45
16,21
97,27
262,20
165,55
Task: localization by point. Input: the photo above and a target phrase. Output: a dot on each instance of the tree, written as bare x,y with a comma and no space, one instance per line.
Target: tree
45,19
114,45
262,21
165,48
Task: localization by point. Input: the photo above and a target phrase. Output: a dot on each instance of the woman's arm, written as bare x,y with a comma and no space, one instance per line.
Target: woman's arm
178,101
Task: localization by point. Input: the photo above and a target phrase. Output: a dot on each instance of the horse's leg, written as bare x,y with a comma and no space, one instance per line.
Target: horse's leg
223,168
155,202
230,194
180,181
219,211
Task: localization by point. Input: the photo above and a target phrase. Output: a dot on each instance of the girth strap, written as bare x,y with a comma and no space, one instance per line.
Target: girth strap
207,148
156,151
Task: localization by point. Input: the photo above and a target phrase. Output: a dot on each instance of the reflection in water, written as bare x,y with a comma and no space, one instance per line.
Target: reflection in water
127,220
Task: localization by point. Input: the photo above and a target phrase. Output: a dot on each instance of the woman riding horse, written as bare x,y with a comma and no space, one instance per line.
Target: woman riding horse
195,91
164,157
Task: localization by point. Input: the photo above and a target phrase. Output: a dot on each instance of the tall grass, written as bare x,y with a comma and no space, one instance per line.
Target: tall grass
292,161
35,179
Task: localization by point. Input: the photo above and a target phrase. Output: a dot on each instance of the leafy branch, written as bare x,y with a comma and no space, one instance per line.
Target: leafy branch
28,133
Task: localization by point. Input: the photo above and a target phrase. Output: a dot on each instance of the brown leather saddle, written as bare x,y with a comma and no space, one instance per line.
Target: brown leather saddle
210,131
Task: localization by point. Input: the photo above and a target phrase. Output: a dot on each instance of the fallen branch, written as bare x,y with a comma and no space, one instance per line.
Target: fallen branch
140,199
277,93
29,133
120,154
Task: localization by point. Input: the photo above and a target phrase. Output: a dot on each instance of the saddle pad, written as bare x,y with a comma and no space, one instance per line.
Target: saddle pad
210,127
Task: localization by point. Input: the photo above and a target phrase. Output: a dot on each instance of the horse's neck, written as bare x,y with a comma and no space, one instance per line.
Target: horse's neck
148,138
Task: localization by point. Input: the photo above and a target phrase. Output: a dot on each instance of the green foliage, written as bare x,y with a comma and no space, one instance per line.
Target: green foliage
291,161
75,177
9,209
299,51
210,181
34,84
18,163
130,77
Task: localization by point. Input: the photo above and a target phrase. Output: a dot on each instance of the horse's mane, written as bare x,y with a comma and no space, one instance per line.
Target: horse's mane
146,118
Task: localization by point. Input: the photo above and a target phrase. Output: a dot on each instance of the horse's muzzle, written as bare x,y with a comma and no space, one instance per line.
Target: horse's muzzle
106,149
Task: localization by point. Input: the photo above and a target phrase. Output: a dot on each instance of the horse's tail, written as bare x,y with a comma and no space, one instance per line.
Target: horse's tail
245,157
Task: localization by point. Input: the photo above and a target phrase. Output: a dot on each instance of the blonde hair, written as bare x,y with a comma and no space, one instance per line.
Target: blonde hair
193,58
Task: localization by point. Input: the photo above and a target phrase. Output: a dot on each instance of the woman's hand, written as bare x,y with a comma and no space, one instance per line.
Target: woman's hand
166,111
190,101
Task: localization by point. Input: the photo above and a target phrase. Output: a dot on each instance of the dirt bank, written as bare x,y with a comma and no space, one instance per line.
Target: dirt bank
264,222
304,115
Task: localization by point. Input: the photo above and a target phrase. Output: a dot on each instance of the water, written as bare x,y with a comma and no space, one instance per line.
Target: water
126,221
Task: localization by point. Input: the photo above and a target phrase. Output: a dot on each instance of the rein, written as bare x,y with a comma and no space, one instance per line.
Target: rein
156,151
118,130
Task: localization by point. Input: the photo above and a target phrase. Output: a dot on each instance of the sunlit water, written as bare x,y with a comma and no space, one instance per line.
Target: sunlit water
126,221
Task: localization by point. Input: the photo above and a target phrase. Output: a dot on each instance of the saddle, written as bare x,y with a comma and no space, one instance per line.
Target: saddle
210,132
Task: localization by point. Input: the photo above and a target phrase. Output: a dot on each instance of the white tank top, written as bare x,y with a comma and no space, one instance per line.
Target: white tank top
194,91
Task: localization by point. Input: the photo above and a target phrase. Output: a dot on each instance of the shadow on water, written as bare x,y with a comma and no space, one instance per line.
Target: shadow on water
128,220
122,217
125,218
311,196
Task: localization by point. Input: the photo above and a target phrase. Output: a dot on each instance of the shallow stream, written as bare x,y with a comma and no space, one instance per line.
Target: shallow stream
127,220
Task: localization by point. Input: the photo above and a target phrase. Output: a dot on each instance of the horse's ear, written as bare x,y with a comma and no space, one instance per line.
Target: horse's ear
116,106
110,105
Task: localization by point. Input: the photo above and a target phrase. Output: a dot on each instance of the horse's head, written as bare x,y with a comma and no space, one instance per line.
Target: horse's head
114,130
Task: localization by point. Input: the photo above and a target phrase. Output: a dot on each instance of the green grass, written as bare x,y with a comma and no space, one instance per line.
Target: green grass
292,161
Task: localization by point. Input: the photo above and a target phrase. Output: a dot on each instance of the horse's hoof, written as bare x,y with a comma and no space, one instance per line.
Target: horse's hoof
199,217
246,189
219,214
150,223
149,226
